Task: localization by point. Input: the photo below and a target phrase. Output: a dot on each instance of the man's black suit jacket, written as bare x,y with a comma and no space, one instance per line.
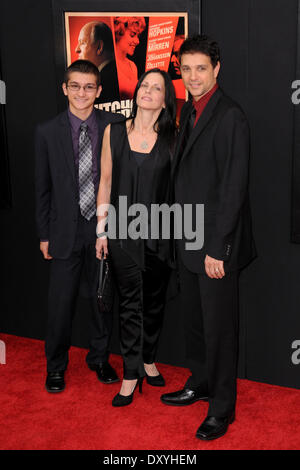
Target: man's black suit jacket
211,168
57,195
110,84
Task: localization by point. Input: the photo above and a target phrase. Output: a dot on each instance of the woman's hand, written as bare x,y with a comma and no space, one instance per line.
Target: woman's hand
101,247
103,197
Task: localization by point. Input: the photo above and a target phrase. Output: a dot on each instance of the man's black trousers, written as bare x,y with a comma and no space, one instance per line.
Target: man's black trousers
210,309
65,276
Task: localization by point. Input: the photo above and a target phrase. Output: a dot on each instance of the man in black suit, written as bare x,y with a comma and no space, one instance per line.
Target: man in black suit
211,168
95,43
67,178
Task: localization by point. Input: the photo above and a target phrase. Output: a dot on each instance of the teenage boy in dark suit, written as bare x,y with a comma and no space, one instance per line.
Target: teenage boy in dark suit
68,151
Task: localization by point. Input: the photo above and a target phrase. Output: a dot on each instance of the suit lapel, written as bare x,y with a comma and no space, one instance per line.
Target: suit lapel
202,121
67,143
180,138
101,125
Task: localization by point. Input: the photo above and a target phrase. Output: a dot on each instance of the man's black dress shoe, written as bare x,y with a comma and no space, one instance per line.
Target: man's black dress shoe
183,397
55,382
106,374
214,427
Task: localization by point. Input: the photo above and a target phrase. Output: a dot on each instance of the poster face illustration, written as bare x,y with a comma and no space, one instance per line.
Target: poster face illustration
123,46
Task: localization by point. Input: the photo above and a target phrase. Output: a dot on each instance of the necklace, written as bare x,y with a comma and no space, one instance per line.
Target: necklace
144,145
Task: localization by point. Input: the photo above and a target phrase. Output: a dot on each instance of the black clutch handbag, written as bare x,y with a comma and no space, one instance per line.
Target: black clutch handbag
105,293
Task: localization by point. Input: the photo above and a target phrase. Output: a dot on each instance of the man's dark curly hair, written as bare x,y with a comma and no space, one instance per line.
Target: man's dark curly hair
201,43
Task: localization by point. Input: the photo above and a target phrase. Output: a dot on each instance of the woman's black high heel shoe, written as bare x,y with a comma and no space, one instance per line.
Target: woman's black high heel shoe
122,400
156,380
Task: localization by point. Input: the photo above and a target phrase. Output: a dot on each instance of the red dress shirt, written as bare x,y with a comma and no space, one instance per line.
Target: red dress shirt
202,102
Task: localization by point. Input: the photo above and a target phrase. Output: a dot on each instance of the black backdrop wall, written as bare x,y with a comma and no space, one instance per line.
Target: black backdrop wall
258,41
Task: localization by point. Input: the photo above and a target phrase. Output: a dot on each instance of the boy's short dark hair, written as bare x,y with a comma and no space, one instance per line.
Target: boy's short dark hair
82,66
201,43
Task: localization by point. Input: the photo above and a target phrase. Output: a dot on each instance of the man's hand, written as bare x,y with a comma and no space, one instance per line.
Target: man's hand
214,268
101,248
44,249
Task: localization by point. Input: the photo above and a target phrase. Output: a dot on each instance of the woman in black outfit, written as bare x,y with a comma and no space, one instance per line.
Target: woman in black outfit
135,162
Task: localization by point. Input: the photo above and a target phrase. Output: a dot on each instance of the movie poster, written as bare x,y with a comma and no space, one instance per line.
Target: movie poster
123,46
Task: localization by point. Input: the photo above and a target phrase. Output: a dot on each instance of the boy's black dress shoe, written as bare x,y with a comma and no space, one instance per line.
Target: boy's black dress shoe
214,427
106,374
183,397
55,382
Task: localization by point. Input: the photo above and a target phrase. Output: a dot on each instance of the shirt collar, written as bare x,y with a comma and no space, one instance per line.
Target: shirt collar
104,64
76,122
198,105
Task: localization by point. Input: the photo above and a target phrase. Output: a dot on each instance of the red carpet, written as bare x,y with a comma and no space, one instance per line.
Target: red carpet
81,417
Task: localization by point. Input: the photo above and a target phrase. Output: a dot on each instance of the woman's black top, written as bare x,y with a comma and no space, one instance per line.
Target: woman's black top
143,179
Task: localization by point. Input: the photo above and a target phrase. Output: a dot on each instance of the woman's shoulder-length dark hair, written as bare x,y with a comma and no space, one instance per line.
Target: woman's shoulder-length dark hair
165,126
